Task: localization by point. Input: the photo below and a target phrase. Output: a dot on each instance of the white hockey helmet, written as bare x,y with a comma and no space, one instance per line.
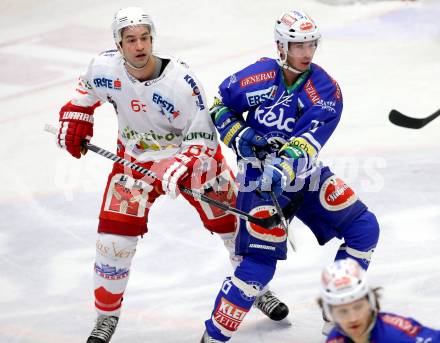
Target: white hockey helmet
131,16
344,282
295,26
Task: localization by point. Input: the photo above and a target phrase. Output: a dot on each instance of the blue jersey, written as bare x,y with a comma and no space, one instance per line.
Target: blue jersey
391,328
304,114
307,112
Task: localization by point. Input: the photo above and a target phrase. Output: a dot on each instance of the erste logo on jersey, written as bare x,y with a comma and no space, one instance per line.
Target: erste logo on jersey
107,83
335,194
260,96
196,91
167,108
257,78
274,235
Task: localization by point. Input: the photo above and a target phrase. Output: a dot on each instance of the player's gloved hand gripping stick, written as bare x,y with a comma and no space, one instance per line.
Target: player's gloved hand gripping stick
267,223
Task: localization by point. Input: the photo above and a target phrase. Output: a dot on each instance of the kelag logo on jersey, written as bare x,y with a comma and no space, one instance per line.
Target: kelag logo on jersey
107,83
277,115
167,108
196,91
260,96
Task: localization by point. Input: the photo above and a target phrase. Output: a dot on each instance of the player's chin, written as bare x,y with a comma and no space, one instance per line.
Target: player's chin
139,62
355,331
303,66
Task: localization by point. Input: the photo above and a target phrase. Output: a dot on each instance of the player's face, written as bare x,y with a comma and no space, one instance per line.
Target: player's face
354,318
136,45
300,55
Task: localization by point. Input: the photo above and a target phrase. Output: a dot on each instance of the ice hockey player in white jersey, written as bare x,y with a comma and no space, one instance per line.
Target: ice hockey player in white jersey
163,125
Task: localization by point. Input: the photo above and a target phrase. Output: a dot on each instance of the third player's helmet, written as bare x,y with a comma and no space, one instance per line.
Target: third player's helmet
344,282
131,16
295,26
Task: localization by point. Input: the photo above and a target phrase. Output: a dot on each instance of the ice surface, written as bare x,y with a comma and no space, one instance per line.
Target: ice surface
384,55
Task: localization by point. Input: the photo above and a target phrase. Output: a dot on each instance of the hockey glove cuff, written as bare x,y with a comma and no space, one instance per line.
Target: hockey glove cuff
280,173
299,158
275,178
75,127
245,142
182,166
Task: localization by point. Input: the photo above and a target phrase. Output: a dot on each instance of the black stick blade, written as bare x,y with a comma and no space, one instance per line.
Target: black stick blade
402,120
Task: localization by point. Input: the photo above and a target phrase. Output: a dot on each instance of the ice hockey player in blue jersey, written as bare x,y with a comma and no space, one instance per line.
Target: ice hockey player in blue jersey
277,115
347,297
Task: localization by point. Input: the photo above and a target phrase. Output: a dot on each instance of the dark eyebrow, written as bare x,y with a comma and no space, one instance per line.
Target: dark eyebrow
142,35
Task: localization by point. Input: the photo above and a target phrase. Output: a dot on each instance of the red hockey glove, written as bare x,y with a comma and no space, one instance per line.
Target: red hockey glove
182,167
76,126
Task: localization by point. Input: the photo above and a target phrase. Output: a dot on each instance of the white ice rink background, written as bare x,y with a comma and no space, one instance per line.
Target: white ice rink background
384,55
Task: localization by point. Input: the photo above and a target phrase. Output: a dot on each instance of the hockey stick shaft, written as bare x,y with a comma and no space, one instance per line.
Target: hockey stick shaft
400,119
268,222
283,221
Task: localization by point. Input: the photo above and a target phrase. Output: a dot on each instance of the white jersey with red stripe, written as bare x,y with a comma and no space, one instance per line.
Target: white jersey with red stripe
156,118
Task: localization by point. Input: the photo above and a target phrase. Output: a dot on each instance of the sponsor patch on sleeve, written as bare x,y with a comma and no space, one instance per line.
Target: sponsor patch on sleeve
401,324
311,91
338,93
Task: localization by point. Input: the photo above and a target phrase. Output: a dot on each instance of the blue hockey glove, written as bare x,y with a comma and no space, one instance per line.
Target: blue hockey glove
245,142
280,172
276,176
248,143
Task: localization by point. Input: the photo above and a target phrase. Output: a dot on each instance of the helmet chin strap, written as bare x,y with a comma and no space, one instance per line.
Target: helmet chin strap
284,65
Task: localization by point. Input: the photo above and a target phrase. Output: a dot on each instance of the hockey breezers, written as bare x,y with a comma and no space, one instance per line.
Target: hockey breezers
401,119
281,213
267,223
